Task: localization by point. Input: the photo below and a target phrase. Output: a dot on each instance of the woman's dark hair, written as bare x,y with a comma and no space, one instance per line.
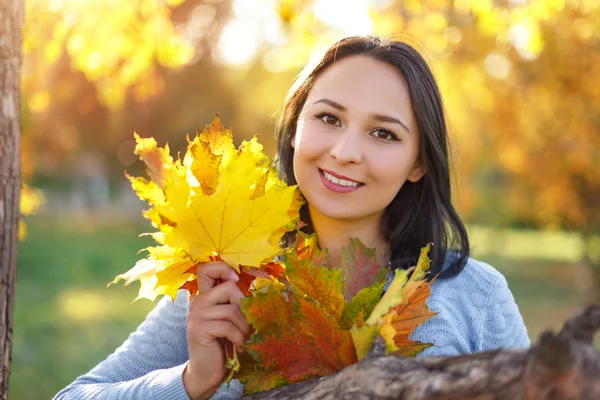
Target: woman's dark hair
421,212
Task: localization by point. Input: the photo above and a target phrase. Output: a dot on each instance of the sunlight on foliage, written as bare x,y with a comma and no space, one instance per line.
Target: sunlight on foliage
518,80
114,43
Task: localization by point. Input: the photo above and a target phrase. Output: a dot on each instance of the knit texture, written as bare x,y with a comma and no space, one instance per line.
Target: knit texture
476,312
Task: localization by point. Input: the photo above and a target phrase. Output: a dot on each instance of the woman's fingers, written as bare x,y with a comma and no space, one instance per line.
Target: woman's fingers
214,317
209,274
227,312
227,330
225,293
222,302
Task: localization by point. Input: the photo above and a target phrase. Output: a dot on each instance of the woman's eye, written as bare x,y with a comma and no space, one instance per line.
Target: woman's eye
384,134
329,119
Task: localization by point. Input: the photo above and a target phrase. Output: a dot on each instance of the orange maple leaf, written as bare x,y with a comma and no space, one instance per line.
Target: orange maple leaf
401,320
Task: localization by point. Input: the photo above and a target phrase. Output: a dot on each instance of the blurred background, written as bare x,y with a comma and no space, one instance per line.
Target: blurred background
520,84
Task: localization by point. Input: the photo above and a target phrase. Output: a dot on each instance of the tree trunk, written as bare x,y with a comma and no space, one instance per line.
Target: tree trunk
565,366
11,40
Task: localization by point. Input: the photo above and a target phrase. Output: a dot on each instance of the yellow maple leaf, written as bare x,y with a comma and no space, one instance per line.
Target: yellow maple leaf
403,317
157,272
219,203
364,334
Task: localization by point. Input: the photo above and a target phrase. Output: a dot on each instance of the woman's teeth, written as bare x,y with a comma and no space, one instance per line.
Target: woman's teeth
337,181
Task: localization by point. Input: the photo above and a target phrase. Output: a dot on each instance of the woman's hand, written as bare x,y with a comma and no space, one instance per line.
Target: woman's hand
214,315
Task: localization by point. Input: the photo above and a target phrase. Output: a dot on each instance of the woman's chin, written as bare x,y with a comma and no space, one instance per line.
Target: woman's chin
335,213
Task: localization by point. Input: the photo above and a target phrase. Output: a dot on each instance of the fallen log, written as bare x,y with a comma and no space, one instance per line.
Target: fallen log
563,366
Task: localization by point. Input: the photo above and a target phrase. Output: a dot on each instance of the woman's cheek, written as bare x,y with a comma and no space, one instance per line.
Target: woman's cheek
301,128
305,138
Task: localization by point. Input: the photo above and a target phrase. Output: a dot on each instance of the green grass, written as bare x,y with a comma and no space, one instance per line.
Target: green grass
66,320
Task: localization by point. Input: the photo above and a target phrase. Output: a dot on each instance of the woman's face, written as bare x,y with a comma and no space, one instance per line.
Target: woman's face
356,141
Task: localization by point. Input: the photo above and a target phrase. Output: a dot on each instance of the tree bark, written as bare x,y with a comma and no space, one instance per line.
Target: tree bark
11,40
563,366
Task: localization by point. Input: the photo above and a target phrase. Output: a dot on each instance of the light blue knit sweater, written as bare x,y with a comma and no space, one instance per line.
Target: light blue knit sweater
476,312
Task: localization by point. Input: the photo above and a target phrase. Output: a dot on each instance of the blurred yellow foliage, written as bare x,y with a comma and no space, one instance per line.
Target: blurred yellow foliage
520,84
519,80
31,201
115,44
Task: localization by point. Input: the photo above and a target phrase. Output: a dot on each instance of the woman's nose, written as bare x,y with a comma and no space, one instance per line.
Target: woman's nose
347,148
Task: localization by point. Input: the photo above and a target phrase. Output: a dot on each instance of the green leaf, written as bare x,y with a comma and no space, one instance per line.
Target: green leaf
363,302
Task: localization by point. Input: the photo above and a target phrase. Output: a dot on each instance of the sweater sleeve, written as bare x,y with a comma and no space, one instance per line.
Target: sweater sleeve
149,365
502,325
475,312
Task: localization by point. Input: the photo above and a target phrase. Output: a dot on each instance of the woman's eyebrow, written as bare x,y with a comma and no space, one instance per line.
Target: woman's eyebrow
386,118
331,103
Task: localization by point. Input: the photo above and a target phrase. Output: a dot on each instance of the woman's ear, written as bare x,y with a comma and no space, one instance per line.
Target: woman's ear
417,173
293,142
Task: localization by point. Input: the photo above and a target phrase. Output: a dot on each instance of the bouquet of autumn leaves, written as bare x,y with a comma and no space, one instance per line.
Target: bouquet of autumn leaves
309,320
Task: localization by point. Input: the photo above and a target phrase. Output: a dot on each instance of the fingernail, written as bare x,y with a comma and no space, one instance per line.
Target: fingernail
234,276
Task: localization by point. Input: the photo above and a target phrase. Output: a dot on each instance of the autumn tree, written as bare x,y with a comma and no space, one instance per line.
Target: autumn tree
94,72
11,23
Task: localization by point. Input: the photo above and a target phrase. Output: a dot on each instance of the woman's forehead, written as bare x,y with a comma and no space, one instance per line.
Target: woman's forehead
363,83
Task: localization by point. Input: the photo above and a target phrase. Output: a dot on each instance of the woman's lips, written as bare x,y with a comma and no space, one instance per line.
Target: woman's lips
334,187
340,176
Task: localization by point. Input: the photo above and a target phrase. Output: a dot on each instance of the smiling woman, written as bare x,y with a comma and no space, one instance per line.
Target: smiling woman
364,137
352,152
374,107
